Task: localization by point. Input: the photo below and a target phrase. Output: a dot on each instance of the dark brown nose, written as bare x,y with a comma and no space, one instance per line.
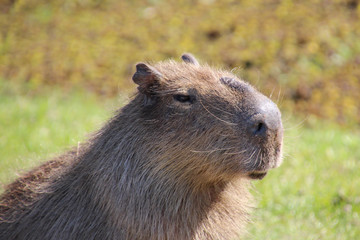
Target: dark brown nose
266,119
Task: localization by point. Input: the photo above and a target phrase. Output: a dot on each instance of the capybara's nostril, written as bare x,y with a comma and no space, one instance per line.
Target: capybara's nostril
259,128
266,121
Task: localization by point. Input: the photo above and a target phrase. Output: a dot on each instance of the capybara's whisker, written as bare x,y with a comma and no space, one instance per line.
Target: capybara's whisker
229,123
298,125
211,150
236,153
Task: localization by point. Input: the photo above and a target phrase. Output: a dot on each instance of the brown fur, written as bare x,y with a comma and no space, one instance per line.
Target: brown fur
160,169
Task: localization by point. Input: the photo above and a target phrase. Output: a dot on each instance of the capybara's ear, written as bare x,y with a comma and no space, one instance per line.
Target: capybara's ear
189,58
146,77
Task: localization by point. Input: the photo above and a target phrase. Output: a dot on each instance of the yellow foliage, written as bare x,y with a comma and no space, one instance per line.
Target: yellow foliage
310,50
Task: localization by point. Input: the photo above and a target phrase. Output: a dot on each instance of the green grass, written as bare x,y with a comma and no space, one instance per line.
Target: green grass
34,128
315,194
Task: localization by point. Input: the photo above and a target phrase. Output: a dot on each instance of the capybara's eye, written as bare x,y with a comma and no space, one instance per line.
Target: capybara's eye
183,98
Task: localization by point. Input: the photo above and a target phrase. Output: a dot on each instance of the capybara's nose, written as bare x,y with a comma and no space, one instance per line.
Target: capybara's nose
266,120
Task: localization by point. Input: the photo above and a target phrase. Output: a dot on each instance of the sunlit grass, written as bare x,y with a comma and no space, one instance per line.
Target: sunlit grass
315,194
34,128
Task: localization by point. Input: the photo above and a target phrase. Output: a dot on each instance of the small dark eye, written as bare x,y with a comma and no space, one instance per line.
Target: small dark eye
183,98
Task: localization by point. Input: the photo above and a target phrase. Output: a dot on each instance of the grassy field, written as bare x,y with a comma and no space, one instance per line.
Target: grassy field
34,128
315,194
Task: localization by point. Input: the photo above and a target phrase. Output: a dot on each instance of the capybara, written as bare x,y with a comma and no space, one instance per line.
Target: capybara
174,163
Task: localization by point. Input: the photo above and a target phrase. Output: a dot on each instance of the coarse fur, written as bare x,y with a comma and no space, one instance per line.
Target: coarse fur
174,163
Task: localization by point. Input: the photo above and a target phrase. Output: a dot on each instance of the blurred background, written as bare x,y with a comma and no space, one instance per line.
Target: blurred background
65,65
308,52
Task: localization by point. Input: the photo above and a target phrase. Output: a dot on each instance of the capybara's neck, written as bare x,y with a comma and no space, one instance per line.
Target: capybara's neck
156,195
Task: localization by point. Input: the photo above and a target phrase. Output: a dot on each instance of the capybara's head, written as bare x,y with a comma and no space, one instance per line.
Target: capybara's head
207,123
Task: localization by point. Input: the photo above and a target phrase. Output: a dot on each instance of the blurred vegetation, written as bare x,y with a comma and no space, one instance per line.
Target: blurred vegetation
307,52
36,127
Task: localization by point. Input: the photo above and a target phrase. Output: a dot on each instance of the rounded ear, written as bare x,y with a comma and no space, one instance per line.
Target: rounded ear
146,77
189,58
231,82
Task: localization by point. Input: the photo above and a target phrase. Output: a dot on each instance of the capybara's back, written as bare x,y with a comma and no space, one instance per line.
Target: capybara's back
174,163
